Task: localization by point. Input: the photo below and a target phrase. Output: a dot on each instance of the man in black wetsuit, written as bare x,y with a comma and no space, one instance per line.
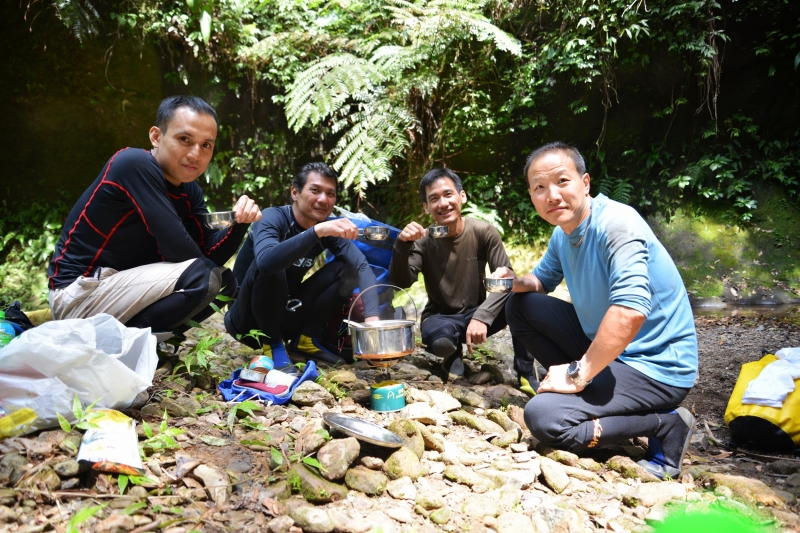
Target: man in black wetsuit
134,246
275,257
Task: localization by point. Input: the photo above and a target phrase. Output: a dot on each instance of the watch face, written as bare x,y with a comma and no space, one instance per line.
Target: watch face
573,368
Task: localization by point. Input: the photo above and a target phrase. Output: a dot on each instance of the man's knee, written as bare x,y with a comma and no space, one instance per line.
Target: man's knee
545,420
202,277
435,327
521,309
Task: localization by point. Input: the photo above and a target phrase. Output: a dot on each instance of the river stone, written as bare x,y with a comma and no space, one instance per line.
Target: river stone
563,457
554,474
309,393
403,462
421,412
652,494
280,524
347,521
587,463
313,487
440,516
216,483
430,442
513,523
337,456
402,489
480,378
579,473
507,438
752,491
311,519
311,438
429,500
45,476
629,469
548,518
279,490
12,468
365,480
502,420
479,506
68,468
784,467
417,396
373,463
342,377
468,397
410,435
467,476
176,409
481,424
443,401
71,443
516,478
380,523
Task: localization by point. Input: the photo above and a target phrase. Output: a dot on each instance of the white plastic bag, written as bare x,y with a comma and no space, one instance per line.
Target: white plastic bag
96,358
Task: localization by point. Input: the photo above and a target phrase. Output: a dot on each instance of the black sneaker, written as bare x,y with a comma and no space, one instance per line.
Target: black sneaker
665,451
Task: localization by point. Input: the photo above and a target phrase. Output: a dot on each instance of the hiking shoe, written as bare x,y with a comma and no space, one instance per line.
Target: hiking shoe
667,447
528,385
277,352
443,347
312,348
453,361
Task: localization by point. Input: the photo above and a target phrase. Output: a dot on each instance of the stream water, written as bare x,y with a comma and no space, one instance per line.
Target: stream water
721,309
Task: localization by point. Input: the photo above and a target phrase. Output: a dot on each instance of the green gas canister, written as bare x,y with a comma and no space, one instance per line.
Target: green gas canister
387,396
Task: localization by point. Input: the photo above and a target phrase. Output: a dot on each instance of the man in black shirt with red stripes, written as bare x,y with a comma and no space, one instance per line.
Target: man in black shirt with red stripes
134,246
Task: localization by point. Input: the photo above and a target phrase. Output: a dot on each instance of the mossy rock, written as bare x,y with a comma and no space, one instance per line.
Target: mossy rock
313,487
403,462
626,467
410,434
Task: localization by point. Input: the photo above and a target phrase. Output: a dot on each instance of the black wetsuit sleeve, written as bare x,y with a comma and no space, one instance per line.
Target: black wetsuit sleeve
366,278
271,254
220,245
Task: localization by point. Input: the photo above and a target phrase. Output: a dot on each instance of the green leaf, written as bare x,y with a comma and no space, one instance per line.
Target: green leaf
797,60
205,26
213,441
313,462
132,508
82,516
122,482
77,408
276,455
63,423
142,480
148,431
252,442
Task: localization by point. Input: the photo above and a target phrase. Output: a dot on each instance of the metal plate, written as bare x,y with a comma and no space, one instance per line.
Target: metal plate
363,430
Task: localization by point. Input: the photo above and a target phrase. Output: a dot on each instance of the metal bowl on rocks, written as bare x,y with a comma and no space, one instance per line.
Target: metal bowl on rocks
498,284
218,220
382,342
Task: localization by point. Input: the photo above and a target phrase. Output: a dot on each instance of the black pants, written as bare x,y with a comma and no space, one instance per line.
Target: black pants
454,327
261,304
619,404
195,290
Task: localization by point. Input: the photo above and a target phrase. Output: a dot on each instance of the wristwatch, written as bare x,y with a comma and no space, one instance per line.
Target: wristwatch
574,373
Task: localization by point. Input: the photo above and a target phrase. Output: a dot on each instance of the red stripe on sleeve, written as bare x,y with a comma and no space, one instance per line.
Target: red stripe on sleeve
100,251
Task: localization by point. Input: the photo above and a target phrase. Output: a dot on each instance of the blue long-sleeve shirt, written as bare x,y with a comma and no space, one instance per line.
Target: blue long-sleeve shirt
277,242
613,258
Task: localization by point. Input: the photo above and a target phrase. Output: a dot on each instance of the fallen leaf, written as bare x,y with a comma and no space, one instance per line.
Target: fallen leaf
213,441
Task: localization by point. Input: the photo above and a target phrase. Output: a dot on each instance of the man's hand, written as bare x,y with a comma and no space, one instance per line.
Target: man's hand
476,333
557,380
341,227
413,232
246,211
527,283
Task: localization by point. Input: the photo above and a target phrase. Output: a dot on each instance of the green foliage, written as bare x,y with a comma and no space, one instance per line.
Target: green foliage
84,418
248,407
82,516
163,440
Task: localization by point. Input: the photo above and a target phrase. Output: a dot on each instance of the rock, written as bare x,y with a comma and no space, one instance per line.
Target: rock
784,467
563,457
752,491
39,474
68,468
579,473
440,516
342,377
7,515
629,469
400,514
177,409
481,424
365,480
417,396
466,476
479,506
311,519
309,393
279,490
502,420
467,397
402,489
789,520
373,463
313,487
507,438
786,496
430,442
410,434
430,500
723,491
549,518
403,462
652,494
12,466
421,412
121,521
336,457
443,401
513,523
480,378
347,521
361,396
380,523
554,475
656,515
519,447
152,409
216,483
70,444
516,414
280,524
311,438
516,479
298,423
587,463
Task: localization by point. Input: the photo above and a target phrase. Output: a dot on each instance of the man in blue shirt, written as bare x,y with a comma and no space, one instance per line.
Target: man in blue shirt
623,355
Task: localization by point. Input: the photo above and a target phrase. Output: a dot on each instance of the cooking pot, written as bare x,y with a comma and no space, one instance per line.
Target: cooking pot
382,340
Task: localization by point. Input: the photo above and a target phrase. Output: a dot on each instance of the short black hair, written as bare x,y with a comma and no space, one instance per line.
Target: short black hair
571,151
435,174
170,104
300,179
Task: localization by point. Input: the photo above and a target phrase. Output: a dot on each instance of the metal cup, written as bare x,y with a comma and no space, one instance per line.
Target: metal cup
437,232
374,233
219,220
498,284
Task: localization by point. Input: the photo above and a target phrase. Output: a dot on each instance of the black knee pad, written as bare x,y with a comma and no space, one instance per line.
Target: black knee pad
202,279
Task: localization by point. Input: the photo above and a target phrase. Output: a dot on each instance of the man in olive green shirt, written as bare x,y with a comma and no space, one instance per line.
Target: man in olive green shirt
458,310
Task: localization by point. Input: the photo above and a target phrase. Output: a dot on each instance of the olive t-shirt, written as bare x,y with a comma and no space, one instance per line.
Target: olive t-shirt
454,268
